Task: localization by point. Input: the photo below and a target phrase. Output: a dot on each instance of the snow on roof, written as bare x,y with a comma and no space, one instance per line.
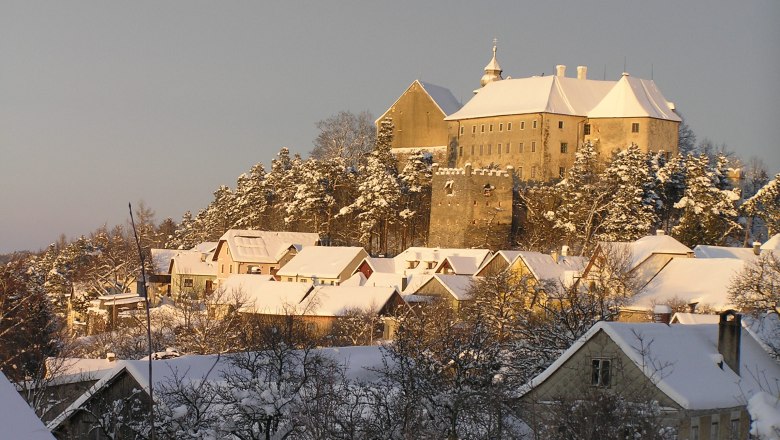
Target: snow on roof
360,364
542,266
264,246
443,97
773,244
338,300
263,296
357,279
508,256
381,279
706,251
161,259
572,263
85,366
641,249
206,247
457,285
194,262
632,98
694,379
628,97
463,265
415,281
425,260
694,318
17,419
693,280
322,261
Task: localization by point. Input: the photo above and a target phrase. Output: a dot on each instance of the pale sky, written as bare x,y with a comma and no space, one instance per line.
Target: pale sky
104,103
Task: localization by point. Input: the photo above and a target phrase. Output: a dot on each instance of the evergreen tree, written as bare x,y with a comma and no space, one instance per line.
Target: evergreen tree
251,198
415,179
709,214
765,204
670,188
631,211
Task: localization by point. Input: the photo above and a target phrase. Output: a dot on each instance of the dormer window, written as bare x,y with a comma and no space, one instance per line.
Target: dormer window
431,264
411,264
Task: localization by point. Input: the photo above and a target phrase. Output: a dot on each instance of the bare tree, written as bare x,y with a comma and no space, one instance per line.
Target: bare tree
345,135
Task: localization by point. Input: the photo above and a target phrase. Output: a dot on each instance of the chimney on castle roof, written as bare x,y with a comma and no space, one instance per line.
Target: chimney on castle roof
560,70
582,72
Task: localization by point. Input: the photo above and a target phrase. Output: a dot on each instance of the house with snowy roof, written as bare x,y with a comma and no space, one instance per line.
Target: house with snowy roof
418,119
536,124
117,396
193,272
330,265
702,376
258,252
743,253
17,419
424,260
159,280
451,288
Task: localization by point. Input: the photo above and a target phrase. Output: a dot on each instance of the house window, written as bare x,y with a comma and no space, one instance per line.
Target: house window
188,282
564,147
289,279
533,172
635,127
302,280
501,126
533,147
520,148
522,125
491,128
461,130
586,129
560,124
482,128
534,125
561,172
473,129
694,433
599,373
734,429
714,429
508,126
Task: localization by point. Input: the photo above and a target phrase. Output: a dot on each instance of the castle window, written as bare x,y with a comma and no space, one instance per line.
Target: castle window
499,148
501,127
635,127
600,373
533,172
481,150
461,130
520,148
482,128
491,128
533,147
460,151
490,148
487,190
534,125
561,172
560,124
586,129
448,187
564,147
522,125
508,126
508,144
472,150
519,172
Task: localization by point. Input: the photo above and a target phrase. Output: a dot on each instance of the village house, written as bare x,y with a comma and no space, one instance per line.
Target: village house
701,376
193,272
258,252
423,260
322,265
158,282
453,289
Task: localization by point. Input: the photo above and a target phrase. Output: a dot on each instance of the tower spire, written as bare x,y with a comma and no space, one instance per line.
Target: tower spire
493,69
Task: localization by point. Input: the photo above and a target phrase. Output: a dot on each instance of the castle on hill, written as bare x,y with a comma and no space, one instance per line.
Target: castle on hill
519,129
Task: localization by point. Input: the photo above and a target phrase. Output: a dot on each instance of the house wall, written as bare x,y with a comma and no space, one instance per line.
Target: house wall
434,288
649,268
463,215
494,266
346,272
198,283
615,134
731,423
226,266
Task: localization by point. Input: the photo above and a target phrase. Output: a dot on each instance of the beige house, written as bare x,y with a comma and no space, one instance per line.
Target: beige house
193,273
453,289
700,375
536,124
330,265
258,252
418,119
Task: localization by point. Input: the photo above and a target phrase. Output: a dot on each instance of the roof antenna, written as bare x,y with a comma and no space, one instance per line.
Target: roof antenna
605,72
651,71
148,322
624,64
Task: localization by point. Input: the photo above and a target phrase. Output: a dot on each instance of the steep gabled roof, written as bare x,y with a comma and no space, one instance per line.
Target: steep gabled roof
641,249
17,419
193,262
773,244
161,259
634,98
694,378
442,96
250,246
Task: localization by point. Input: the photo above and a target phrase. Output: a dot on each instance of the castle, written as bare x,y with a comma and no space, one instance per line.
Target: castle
530,128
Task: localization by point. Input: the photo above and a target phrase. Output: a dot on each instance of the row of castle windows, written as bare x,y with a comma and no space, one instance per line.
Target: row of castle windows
507,148
490,127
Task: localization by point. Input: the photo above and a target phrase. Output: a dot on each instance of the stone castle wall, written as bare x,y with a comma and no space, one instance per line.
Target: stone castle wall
471,208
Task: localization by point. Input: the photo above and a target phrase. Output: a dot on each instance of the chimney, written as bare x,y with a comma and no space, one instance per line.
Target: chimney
757,248
730,338
582,72
111,357
564,251
560,70
660,232
662,314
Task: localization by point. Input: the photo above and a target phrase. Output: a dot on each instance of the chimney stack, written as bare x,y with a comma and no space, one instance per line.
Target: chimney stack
560,70
660,232
662,314
730,338
757,248
564,251
582,72
111,357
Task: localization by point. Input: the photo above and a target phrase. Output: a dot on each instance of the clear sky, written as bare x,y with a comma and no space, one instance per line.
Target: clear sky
104,103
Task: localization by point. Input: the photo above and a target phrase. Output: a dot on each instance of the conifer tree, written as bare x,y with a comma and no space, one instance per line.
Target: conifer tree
251,198
765,204
670,188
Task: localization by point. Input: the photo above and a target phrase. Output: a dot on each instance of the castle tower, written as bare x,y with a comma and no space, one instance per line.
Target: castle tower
471,208
492,70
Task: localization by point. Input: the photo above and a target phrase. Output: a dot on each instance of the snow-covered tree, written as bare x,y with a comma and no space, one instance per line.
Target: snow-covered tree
765,204
630,213
686,137
251,198
415,204
757,288
708,214
670,188
345,135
